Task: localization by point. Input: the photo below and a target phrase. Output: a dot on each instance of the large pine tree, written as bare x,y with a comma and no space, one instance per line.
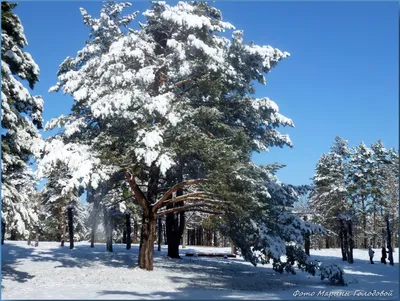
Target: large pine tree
20,120
168,104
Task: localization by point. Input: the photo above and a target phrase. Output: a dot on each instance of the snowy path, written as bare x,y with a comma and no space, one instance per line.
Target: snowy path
51,272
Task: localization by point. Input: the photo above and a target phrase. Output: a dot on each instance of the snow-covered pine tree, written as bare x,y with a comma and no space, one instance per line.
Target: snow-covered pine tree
390,201
137,102
330,198
57,195
360,178
381,161
20,120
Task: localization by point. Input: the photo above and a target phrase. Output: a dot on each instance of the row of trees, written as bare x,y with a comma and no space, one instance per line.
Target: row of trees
164,123
356,196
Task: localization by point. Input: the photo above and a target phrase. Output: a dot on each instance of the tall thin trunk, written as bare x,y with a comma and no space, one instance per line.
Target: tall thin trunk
342,240
364,222
3,231
184,238
307,242
128,231
215,236
345,241
351,241
110,230
106,219
71,228
327,242
374,227
94,222
61,225
29,237
233,248
135,232
159,228
175,225
389,241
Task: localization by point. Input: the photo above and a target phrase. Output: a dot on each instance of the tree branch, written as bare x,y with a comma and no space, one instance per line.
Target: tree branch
181,198
138,193
185,208
158,204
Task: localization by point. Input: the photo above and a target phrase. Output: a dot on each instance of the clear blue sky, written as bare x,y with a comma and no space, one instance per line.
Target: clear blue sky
341,78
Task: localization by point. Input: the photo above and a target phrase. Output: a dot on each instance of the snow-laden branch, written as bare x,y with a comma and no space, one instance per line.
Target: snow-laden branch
159,203
191,207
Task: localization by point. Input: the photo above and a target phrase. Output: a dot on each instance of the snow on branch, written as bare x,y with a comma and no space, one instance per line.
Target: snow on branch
159,203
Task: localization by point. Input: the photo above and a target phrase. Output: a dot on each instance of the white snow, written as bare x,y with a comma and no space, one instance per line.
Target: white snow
52,272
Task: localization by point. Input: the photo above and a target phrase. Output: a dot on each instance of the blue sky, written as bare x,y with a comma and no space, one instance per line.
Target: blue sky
341,78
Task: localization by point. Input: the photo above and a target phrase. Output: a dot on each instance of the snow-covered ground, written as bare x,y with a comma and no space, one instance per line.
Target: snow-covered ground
52,272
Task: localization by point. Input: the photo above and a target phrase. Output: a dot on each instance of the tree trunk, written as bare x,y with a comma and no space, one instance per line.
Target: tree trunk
71,228
374,228
327,242
175,227
37,238
351,241
61,225
389,241
147,237
159,228
106,228
110,230
215,238
341,242
94,222
13,234
233,247
184,239
29,237
92,236
3,231
135,232
345,242
364,224
128,231
307,242
173,238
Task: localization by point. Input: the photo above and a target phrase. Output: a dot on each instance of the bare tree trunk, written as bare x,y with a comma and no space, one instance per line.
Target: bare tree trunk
128,231
307,241
3,231
175,224
364,223
389,241
374,227
135,231
327,242
343,240
215,238
351,241
71,228
108,229
29,237
37,239
94,222
147,237
61,225
159,234
184,239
